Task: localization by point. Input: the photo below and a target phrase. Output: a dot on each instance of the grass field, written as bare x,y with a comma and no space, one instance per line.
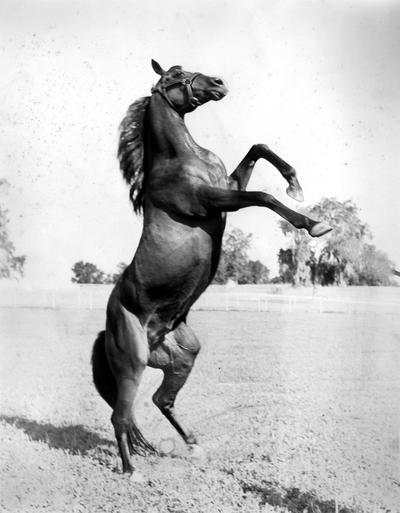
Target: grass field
293,410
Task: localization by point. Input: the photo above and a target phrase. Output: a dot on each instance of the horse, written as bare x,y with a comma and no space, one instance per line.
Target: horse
184,194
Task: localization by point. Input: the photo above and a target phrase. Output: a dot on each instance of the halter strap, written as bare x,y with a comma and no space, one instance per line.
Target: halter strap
187,82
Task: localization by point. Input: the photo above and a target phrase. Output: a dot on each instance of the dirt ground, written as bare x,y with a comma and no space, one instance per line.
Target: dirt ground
294,411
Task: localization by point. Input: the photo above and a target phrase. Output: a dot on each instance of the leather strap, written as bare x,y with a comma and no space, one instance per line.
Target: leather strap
187,82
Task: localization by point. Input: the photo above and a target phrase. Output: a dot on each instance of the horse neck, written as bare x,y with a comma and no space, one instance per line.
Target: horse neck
169,135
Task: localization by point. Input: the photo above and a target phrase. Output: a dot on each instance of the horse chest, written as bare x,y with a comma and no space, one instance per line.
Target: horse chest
214,167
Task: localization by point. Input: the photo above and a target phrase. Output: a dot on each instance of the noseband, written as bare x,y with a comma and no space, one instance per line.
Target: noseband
187,82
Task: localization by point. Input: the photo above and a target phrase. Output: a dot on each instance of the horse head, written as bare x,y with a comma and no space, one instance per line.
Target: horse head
184,90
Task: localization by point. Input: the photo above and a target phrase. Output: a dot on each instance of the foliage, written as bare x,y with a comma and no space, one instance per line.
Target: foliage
374,267
11,265
235,263
86,272
287,265
233,256
114,277
257,272
340,257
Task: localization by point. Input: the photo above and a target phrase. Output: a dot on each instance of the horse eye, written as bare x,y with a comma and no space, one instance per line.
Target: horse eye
179,74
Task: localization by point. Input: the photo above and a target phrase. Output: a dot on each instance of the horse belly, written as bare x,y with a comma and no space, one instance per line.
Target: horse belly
178,283
181,277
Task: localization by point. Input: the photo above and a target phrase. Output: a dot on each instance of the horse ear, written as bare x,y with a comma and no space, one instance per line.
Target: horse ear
156,67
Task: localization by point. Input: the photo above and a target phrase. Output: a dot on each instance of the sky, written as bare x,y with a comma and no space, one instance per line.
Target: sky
318,81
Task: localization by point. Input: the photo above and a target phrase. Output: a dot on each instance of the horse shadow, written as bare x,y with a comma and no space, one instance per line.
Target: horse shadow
75,439
292,498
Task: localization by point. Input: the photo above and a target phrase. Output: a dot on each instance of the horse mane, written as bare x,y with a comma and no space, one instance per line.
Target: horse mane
131,150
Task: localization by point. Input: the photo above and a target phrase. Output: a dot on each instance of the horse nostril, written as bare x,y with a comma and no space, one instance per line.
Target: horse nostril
218,81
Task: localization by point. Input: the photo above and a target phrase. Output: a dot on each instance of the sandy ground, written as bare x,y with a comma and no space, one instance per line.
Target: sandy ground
293,410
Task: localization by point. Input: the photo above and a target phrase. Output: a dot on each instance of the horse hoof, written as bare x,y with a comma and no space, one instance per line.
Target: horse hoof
295,192
319,229
136,477
196,452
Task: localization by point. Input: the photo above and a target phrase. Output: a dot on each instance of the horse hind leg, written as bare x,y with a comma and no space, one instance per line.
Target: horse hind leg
176,357
129,437
127,351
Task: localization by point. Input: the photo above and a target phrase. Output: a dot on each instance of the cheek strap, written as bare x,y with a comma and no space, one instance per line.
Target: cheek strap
187,82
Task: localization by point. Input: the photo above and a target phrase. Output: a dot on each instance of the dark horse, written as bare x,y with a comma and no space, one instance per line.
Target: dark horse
184,193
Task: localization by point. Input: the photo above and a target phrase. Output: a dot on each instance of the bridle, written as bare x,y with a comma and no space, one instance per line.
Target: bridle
162,89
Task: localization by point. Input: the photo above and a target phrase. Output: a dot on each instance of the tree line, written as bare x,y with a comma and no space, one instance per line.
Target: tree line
344,256
235,265
87,272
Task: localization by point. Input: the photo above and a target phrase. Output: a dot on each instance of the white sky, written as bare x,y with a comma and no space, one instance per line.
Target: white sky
319,82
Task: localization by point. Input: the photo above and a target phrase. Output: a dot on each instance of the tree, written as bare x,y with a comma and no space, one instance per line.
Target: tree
287,265
233,256
257,272
235,263
336,258
374,267
114,277
86,272
11,265
343,246
293,262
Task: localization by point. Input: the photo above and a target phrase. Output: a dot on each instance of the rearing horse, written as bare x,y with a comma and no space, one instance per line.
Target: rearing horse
184,193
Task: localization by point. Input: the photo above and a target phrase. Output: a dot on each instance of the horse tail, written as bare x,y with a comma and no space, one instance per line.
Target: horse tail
103,377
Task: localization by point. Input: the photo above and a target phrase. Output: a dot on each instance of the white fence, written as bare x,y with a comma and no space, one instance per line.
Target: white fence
290,303
240,298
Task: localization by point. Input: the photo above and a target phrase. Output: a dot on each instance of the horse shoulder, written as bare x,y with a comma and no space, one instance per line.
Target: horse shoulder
205,167
215,168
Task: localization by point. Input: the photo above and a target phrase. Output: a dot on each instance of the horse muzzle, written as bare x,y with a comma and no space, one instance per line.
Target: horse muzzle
217,93
217,89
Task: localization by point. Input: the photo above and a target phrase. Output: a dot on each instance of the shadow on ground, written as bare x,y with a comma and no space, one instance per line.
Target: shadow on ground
293,499
74,439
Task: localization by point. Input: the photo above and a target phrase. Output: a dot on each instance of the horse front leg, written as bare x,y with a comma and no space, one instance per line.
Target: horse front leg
241,176
213,199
